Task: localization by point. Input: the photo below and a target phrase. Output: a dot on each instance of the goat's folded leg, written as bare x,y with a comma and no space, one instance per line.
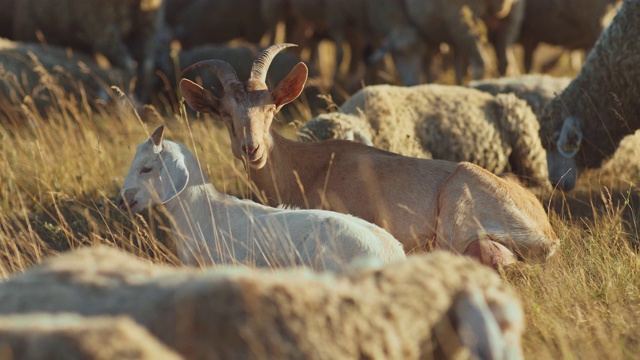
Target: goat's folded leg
491,253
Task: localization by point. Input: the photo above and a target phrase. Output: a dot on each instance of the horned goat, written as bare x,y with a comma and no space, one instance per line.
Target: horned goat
460,207
584,124
431,306
211,227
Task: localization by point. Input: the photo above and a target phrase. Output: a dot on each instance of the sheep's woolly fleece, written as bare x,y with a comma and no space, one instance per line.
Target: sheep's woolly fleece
392,312
604,96
498,133
70,336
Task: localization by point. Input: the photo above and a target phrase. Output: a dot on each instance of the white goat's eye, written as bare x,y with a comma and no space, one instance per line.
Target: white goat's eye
145,170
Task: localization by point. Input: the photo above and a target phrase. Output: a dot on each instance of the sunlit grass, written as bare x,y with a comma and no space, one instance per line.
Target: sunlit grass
61,175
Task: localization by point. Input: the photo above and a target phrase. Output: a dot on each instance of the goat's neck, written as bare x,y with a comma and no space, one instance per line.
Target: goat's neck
290,163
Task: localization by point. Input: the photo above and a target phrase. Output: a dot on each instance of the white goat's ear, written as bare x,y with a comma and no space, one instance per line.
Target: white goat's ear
198,98
156,137
174,177
291,86
570,138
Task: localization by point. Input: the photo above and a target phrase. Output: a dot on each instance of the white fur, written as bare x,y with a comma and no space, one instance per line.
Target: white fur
210,227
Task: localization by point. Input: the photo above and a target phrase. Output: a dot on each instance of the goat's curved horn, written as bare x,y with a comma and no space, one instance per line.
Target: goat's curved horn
222,69
262,62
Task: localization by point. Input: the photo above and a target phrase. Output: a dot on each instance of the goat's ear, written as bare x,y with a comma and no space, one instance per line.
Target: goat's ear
174,177
156,137
198,98
291,86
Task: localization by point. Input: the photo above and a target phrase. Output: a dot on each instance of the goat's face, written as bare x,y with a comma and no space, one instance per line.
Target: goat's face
247,109
248,116
142,187
563,171
156,175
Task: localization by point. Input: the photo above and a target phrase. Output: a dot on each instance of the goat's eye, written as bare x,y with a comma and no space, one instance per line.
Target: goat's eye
224,114
145,170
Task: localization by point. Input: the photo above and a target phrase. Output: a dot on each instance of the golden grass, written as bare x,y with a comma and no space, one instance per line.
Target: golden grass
60,178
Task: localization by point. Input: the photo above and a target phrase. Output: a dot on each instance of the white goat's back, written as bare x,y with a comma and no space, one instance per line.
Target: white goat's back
212,228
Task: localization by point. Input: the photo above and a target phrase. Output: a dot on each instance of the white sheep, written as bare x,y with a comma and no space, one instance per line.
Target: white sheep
435,305
498,133
212,227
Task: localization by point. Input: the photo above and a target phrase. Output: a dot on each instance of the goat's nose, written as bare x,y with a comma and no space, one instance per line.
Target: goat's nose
250,150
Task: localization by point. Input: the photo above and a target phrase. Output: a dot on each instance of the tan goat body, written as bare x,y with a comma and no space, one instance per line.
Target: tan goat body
422,203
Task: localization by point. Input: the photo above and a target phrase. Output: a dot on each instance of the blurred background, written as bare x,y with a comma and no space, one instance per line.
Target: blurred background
141,45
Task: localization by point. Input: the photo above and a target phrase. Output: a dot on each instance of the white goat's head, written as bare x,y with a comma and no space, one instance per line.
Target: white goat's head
561,161
158,174
247,109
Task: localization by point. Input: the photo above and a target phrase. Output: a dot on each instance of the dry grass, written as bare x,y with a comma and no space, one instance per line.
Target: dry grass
61,176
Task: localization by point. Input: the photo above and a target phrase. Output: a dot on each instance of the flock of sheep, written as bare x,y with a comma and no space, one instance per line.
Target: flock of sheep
377,206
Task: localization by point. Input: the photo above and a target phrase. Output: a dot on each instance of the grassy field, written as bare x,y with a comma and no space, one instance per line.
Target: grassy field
60,179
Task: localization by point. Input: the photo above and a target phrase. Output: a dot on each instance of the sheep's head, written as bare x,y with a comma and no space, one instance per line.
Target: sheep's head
335,126
247,109
565,144
158,174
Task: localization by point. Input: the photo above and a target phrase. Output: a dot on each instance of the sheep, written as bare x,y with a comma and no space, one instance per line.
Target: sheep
224,229
573,24
537,90
458,23
124,31
498,133
200,22
420,202
35,75
435,305
584,124
70,336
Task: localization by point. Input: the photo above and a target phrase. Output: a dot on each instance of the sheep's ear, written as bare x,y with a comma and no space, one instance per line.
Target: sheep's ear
198,98
156,137
291,86
359,136
175,177
570,138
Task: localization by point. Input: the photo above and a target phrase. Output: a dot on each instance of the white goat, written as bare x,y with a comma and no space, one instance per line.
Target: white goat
421,202
223,229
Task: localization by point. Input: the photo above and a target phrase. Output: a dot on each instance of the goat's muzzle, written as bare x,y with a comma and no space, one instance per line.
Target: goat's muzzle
251,151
